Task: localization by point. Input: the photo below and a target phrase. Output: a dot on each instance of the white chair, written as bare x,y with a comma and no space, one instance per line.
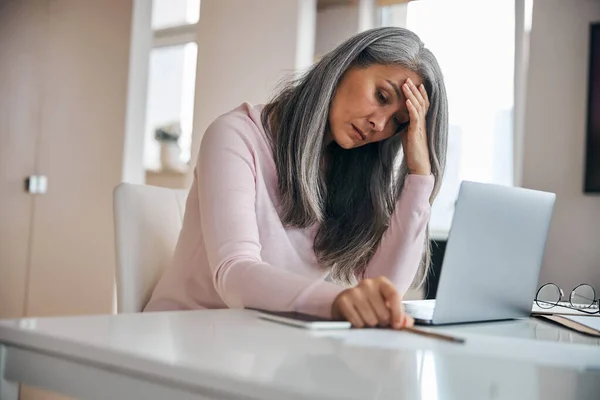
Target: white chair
147,224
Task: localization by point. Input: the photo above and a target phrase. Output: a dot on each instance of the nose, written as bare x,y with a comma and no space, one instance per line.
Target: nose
377,122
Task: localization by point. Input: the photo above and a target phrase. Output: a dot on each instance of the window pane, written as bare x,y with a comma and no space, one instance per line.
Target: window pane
473,41
171,88
169,13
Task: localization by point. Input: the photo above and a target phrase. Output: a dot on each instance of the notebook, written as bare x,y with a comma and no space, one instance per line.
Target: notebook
588,325
563,308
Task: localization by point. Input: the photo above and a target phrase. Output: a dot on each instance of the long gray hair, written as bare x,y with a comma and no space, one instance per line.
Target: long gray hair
354,198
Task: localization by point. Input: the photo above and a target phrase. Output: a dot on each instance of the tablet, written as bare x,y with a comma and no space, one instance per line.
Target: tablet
301,320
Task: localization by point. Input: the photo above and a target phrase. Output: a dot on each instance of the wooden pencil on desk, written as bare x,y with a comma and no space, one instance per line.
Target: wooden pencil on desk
433,335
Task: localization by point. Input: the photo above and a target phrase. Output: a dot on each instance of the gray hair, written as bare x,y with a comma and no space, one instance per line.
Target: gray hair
355,197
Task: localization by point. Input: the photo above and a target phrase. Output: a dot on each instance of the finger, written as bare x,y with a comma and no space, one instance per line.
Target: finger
348,311
425,96
381,310
372,291
414,94
409,94
413,113
417,93
409,322
394,300
364,308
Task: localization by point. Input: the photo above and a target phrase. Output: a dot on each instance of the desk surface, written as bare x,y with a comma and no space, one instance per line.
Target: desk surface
234,353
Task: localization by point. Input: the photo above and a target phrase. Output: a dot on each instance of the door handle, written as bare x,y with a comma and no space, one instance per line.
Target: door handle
36,184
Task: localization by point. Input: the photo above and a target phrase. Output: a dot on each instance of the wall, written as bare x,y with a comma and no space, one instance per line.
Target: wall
244,49
554,137
334,25
21,27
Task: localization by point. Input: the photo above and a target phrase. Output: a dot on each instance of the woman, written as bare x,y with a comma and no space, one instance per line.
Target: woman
310,186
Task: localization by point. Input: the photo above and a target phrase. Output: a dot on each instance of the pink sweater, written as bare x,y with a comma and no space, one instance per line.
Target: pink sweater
233,250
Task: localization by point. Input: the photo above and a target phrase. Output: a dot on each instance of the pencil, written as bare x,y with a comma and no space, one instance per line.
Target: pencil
434,335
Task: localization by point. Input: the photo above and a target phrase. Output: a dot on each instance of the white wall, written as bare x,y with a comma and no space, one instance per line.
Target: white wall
244,49
554,137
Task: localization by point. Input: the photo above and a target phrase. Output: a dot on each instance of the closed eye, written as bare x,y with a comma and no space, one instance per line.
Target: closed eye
400,126
381,98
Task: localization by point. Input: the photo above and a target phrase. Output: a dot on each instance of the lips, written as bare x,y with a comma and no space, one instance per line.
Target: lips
359,133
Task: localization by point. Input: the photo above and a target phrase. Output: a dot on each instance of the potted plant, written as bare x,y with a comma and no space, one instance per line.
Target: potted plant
170,151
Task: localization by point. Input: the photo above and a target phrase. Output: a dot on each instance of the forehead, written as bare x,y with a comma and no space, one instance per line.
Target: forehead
394,73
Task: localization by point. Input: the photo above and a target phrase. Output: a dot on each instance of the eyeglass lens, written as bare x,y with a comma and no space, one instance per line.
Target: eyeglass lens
582,296
548,296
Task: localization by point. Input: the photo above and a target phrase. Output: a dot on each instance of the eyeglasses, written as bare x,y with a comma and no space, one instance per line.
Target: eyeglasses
582,298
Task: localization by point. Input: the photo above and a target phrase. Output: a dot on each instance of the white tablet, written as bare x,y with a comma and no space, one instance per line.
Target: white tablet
302,320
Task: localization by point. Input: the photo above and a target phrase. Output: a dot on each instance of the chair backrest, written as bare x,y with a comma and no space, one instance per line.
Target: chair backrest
147,224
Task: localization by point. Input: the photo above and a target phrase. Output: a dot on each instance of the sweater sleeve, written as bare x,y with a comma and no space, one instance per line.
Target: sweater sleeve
401,248
226,175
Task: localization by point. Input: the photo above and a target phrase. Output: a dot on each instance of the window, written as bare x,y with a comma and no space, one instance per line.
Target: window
474,43
173,13
172,76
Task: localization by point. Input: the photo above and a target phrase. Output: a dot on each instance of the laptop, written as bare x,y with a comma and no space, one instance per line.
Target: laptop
493,256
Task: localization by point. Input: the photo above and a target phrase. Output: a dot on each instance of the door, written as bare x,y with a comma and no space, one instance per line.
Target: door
81,152
21,22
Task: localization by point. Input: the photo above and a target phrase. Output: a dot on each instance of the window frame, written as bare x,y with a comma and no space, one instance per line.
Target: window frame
171,36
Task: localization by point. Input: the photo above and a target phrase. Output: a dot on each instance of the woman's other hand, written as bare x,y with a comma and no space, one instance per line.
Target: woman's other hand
373,302
414,141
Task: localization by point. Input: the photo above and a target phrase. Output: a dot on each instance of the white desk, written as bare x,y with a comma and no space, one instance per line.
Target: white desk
231,354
